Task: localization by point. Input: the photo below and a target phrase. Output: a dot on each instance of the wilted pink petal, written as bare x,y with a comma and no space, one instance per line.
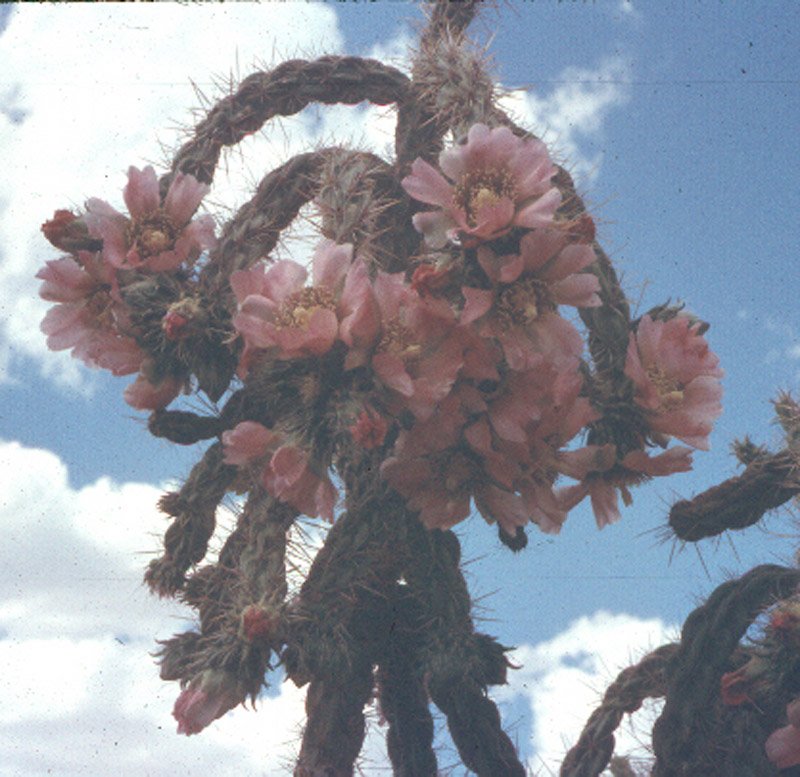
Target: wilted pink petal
497,505
605,503
208,697
676,459
783,747
248,440
144,395
290,478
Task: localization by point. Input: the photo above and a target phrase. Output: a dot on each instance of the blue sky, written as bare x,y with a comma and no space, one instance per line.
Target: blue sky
680,123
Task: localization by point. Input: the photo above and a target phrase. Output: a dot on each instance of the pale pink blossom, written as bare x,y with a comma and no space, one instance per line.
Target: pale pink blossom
494,181
527,332
444,462
277,310
603,487
520,311
287,472
419,352
676,379
547,256
540,414
208,697
157,236
87,318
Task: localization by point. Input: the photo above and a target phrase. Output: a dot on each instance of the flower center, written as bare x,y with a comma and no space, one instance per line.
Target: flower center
482,188
398,339
670,390
522,302
152,234
297,309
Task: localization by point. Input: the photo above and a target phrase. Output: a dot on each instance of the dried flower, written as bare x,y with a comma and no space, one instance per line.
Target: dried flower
208,697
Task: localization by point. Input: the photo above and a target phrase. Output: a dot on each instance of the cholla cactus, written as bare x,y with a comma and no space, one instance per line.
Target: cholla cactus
418,367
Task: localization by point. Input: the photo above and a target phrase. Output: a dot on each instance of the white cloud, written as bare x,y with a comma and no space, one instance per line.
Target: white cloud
562,681
80,689
573,111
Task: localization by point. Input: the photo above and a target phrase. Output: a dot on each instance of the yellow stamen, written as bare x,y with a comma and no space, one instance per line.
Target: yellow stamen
398,340
482,188
669,390
522,302
297,308
152,234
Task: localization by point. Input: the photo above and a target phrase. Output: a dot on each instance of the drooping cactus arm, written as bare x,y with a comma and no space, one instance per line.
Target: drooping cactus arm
402,693
240,602
193,510
593,750
688,736
283,91
768,482
255,228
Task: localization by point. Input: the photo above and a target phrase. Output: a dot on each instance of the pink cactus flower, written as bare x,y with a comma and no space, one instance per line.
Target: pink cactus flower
521,311
676,379
604,488
286,470
88,315
208,697
419,352
442,464
278,311
494,181
156,236
547,256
